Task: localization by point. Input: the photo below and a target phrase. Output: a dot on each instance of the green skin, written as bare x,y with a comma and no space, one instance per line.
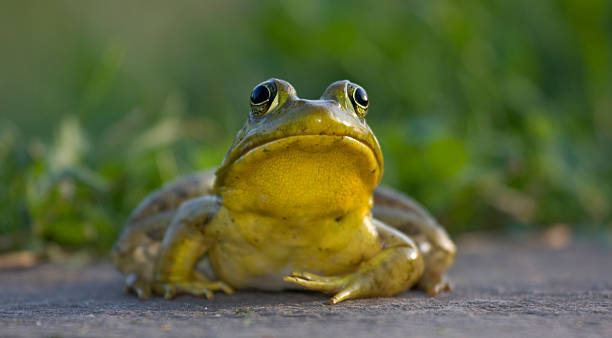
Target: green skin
295,204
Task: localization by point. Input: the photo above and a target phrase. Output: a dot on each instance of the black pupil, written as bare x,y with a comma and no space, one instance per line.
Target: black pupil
260,94
361,97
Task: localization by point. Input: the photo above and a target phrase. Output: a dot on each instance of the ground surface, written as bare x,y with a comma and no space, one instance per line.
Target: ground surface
502,288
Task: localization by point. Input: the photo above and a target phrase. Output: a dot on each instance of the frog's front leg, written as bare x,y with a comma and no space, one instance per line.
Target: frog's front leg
183,246
395,269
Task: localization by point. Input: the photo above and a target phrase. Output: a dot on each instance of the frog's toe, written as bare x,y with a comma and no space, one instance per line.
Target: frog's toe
327,284
197,288
138,286
434,285
344,287
350,292
166,290
205,288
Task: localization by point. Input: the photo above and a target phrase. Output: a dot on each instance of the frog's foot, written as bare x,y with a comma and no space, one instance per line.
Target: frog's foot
434,284
389,273
344,287
196,285
137,285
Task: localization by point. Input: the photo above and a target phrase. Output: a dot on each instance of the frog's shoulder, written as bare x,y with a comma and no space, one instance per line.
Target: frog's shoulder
173,194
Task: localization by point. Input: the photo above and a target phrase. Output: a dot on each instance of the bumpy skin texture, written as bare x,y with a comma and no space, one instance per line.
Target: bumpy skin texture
294,204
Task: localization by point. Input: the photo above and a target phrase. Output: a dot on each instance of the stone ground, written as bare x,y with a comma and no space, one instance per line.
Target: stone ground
503,288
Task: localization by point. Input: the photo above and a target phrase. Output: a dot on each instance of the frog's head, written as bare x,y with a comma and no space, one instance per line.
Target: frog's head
297,157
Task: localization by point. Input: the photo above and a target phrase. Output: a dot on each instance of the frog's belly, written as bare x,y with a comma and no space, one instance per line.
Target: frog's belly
273,281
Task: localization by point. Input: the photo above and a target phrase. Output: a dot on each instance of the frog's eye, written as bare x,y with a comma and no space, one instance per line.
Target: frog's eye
359,99
262,98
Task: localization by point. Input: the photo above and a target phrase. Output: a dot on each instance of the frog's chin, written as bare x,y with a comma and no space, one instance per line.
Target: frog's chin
308,174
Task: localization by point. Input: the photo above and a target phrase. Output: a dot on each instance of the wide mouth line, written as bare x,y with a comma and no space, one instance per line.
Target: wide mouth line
265,142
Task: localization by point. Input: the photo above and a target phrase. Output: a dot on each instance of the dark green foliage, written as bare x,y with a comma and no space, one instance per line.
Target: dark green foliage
495,114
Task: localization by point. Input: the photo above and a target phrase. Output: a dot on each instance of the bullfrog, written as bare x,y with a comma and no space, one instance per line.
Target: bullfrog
294,204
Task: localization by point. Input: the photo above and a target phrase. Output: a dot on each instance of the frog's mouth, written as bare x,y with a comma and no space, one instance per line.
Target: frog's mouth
245,148
328,173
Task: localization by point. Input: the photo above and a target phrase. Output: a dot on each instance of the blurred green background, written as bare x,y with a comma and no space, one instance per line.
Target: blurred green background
496,114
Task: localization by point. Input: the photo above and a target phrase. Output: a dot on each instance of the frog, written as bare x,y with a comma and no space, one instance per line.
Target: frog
295,204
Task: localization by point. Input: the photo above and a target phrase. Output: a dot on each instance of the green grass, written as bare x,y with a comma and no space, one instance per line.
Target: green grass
497,115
